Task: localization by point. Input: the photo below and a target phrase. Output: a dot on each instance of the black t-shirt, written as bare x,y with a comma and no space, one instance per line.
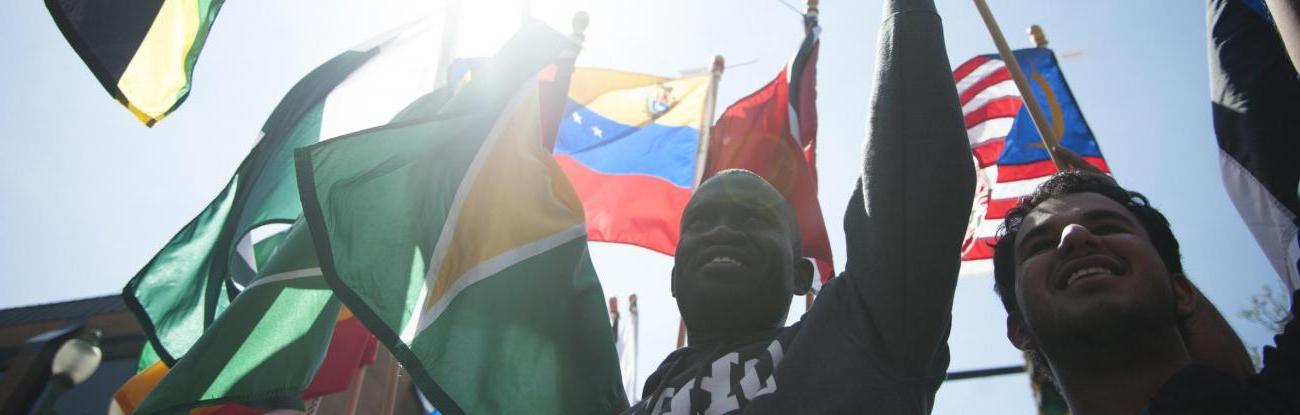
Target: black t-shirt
1199,389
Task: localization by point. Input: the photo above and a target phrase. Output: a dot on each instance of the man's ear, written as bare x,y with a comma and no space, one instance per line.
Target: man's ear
1185,297
1018,334
803,275
672,282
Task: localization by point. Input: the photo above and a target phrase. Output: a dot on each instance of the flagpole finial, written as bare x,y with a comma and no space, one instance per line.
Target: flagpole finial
719,64
580,22
1037,36
810,15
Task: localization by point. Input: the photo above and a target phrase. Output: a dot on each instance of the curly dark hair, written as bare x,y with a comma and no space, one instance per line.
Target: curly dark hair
1072,182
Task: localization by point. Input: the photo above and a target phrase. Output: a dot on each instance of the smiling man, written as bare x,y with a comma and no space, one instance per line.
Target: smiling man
875,340
1092,280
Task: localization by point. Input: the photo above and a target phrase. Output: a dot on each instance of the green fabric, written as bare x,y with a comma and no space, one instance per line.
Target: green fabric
207,10
532,338
183,289
266,347
147,358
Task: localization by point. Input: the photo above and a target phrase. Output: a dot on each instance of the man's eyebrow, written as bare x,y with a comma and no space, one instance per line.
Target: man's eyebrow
1033,232
1100,215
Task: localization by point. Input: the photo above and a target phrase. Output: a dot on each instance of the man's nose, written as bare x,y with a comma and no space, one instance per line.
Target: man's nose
1076,238
723,231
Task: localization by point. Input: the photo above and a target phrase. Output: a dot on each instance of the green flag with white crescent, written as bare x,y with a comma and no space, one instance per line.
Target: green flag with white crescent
187,285
461,245
267,345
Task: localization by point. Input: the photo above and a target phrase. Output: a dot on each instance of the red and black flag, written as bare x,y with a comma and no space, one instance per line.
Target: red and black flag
773,132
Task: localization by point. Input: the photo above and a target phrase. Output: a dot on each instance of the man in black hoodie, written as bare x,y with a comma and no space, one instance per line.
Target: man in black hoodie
875,341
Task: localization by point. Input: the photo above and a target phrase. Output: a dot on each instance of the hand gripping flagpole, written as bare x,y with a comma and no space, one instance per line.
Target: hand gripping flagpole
1022,84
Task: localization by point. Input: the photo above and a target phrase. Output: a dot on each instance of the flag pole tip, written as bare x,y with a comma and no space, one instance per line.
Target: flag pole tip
580,22
719,63
1037,36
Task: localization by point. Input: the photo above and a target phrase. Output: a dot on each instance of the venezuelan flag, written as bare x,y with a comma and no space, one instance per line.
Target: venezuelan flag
142,51
629,143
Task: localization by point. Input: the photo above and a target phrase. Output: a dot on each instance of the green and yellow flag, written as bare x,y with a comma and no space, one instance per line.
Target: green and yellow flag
459,242
142,51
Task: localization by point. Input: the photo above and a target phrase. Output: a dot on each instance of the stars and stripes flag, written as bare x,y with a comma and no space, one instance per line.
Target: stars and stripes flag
1009,154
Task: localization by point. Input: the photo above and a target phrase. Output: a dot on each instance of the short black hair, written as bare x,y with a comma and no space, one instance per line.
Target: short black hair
1073,182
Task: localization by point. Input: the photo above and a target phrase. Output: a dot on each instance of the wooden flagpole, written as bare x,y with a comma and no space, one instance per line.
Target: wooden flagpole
390,386
354,395
450,37
706,118
702,151
1022,84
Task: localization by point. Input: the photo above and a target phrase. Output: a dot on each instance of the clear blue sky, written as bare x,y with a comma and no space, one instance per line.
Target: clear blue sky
88,195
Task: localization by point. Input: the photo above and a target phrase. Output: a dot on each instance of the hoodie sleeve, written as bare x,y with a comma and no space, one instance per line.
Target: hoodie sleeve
907,216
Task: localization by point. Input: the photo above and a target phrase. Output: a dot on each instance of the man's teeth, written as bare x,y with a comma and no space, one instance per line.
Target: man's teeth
726,260
1086,272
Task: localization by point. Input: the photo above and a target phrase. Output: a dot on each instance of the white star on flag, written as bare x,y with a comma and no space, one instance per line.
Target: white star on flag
577,118
597,132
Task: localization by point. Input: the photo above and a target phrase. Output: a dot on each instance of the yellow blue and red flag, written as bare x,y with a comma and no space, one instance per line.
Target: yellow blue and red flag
630,145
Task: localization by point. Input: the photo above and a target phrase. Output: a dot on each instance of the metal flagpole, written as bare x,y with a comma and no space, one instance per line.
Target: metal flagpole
636,341
810,22
1022,83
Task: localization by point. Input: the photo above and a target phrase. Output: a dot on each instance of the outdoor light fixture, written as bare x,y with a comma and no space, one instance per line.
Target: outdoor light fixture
73,363
77,359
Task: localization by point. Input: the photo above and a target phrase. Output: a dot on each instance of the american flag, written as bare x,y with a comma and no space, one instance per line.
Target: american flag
1010,159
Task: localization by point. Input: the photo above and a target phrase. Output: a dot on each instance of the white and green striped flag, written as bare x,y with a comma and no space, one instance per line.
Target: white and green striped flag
187,285
461,245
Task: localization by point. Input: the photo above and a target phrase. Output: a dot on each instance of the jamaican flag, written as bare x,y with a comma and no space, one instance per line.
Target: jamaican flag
142,51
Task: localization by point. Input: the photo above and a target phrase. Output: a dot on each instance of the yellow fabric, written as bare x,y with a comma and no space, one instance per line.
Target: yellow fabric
154,79
517,196
129,396
624,97
132,393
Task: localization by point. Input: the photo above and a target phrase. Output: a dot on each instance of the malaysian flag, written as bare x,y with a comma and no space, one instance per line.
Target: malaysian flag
1008,152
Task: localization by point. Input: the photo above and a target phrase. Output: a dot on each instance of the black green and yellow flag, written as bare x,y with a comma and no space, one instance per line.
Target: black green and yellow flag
142,51
461,245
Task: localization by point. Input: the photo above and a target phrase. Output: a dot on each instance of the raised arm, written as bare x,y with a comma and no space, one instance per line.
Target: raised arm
905,224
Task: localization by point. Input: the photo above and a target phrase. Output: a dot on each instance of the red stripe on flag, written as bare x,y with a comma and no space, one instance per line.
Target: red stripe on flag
988,81
1004,107
998,208
980,248
968,67
1016,172
628,208
987,153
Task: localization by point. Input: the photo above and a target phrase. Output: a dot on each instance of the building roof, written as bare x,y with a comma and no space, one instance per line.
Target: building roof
66,310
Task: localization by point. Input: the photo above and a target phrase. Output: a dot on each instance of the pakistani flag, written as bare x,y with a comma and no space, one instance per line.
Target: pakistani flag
460,244
266,347
143,51
182,290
